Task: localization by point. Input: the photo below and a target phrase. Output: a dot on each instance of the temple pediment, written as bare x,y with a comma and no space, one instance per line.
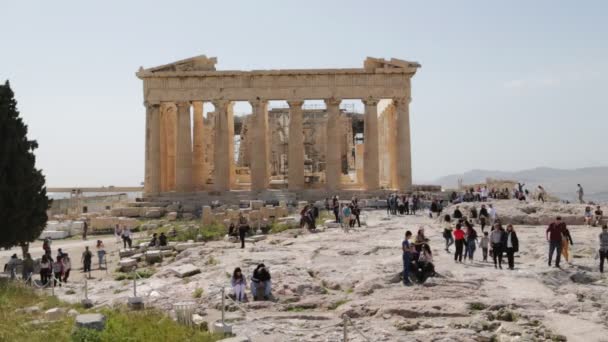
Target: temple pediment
372,63
198,63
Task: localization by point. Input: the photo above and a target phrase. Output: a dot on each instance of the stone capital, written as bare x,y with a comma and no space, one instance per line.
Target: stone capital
332,101
220,104
257,102
401,101
370,101
151,104
295,104
182,104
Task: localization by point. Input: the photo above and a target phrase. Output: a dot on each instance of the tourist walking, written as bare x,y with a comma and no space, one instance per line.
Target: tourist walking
496,239
566,238
599,215
45,270
492,213
67,267
85,229
57,271
447,232
471,241
459,241
243,228
511,244
346,218
239,284
87,258
484,243
541,194
101,252
603,237
554,235
28,268
126,237
580,194
407,258
356,212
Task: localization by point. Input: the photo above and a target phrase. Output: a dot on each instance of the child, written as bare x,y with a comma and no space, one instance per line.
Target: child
239,284
485,243
58,271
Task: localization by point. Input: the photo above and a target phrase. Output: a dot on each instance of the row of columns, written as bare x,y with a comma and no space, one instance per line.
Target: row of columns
190,170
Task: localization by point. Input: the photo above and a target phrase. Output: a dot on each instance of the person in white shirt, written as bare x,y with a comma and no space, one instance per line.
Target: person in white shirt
492,213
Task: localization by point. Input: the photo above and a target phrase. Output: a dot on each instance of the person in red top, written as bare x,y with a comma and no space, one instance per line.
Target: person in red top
459,240
554,236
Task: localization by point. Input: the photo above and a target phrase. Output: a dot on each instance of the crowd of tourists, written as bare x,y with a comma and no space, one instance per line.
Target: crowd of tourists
347,214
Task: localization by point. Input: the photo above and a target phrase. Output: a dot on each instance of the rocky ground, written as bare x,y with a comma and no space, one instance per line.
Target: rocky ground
318,277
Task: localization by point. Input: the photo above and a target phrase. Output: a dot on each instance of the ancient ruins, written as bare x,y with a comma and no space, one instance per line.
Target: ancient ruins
188,152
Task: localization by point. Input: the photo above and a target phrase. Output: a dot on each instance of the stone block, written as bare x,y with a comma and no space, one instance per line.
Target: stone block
86,303
127,264
153,213
180,247
166,252
135,303
255,238
172,216
207,215
331,224
125,253
153,256
73,313
186,270
54,314
187,216
95,321
221,328
256,204
54,234
137,256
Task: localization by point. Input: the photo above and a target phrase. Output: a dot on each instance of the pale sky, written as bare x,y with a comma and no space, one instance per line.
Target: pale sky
504,85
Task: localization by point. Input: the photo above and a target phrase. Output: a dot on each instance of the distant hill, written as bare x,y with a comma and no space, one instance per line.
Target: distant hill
559,182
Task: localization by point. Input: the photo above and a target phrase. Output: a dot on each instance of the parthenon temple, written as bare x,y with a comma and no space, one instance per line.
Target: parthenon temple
191,148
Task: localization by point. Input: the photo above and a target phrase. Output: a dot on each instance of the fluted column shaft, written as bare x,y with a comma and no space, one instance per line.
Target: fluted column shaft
404,154
332,155
152,162
296,146
259,147
221,147
371,163
183,164
198,147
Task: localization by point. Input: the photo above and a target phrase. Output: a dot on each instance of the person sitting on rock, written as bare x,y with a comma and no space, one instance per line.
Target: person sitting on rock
239,284
599,214
154,240
421,239
588,216
424,266
162,240
261,280
457,213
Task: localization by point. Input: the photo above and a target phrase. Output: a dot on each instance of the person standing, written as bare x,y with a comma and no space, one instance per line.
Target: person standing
511,244
566,238
471,241
356,212
45,270
346,218
407,249
336,208
457,215
541,194
496,238
599,215
580,193
243,228
603,237
484,244
67,267
101,252
492,213
57,271
87,258
117,233
85,229
459,240
447,232
126,237
28,268
554,237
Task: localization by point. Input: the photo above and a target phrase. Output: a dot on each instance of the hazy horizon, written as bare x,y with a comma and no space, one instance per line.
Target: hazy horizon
503,86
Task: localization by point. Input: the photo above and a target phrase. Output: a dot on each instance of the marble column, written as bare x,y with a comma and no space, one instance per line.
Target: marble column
295,159
199,172
152,162
404,154
371,166
183,162
259,147
221,147
333,160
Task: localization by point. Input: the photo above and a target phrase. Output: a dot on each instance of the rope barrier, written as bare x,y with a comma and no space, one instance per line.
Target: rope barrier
348,319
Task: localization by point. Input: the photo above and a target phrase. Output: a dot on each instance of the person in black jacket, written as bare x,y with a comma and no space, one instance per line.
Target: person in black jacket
457,213
261,278
511,245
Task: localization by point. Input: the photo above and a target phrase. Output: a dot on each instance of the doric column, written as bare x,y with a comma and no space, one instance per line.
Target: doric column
259,155
371,166
332,153
152,162
221,147
199,172
404,154
183,163
296,147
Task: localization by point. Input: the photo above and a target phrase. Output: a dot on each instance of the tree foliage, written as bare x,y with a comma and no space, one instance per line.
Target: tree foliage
23,199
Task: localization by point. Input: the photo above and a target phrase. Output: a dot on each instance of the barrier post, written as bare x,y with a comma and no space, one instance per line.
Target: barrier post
223,305
134,284
345,328
53,280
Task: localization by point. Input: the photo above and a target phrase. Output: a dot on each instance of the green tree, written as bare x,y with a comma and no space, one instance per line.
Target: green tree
23,199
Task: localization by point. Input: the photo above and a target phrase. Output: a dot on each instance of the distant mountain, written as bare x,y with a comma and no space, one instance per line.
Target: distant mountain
556,181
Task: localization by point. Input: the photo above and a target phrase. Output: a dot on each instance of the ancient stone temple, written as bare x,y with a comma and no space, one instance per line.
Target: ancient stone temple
188,152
